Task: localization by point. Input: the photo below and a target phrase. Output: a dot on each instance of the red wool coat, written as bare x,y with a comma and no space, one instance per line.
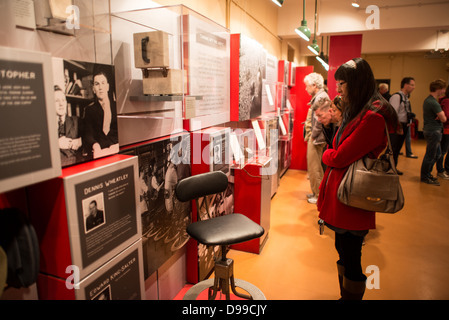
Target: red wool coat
365,136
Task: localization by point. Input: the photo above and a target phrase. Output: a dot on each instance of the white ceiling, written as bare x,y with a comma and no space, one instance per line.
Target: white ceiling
404,25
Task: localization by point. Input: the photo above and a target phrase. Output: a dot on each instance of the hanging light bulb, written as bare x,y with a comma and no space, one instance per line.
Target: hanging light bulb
303,31
278,2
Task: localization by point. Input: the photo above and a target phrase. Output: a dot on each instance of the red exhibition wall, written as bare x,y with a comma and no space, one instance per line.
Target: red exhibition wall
300,98
341,49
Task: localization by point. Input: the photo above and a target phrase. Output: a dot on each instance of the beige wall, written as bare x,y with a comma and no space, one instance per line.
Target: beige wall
399,65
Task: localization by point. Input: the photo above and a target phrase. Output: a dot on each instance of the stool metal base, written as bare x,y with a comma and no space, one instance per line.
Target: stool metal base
196,290
223,281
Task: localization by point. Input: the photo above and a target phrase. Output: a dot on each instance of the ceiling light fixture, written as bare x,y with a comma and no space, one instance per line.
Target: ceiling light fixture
303,31
314,46
322,58
278,2
355,3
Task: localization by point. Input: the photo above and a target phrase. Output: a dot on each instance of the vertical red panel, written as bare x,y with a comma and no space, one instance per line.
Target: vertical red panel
341,49
247,201
300,98
234,76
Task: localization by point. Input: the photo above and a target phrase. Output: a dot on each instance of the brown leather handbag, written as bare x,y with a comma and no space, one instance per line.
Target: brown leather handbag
373,184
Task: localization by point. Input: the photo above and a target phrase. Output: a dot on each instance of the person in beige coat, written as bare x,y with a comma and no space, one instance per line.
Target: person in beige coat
313,134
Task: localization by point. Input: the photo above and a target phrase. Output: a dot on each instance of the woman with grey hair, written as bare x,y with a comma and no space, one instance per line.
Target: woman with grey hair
313,134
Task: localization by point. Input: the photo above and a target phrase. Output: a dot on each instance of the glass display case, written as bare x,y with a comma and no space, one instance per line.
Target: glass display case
172,69
270,98
243,146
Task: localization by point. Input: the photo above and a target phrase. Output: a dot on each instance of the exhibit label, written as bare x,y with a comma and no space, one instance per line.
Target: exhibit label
24,140
106,213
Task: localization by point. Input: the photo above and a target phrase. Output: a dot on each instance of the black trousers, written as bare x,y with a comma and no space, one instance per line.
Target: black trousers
397,141
349,248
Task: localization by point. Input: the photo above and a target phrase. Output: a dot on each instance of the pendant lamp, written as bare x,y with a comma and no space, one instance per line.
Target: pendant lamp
303,31
314,46
279,2
322,58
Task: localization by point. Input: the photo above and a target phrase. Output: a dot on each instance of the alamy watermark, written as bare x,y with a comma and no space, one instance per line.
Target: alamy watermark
73,20
373,21
73,280
373,279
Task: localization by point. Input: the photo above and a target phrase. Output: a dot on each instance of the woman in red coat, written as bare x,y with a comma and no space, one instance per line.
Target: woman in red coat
362,132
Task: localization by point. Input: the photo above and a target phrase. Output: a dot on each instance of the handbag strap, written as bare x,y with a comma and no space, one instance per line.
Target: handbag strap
389,141
389,151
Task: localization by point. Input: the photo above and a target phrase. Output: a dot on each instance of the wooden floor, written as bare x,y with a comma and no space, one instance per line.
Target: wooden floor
410,248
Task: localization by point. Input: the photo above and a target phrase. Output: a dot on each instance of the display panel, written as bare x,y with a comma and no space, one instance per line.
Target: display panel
85,103
248,73
120,279
88,216
208,67
162,164
28,137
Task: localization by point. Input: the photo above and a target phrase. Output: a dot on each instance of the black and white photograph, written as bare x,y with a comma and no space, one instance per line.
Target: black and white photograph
93,211
85,103
252,72
162,164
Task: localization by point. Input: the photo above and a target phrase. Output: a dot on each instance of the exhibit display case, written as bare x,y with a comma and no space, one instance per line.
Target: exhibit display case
270,97
252,197
269,128
174,72
104,208
243,146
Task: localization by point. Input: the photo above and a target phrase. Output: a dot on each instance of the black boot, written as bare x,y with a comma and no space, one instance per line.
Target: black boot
352,290
341,273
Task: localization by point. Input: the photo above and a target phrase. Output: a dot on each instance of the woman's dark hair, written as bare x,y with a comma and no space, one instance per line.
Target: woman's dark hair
362,92
338,103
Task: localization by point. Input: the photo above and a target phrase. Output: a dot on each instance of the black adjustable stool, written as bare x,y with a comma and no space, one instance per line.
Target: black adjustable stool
223,231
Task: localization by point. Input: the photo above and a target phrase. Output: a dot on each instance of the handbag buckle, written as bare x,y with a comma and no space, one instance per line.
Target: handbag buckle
373,199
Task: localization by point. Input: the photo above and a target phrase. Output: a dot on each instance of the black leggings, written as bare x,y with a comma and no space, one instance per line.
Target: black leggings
349,248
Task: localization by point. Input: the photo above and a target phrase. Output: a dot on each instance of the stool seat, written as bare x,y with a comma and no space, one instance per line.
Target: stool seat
225,230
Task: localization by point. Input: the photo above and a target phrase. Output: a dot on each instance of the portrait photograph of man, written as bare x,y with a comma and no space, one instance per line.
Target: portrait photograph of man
93,211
